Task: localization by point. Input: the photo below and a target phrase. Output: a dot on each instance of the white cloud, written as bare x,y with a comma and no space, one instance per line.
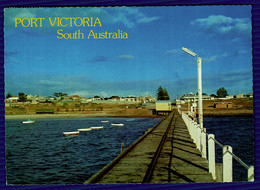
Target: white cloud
147,19
125,57
173,51
50,83
226,54
210,59
81,93
235,53
223,24
129,16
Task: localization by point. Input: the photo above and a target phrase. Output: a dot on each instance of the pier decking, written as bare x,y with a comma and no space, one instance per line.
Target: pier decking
179,160
166,154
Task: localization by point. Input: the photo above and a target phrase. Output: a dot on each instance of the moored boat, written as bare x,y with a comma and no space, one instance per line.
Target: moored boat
71,133
101,127
28,121
104,121
82,130
117,124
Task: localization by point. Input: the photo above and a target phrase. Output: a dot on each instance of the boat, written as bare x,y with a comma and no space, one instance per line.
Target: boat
71,133
117,124
28,121
83,130
130,119
104,121
101,127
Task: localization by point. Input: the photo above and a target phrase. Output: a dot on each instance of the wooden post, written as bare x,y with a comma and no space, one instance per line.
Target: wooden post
198,136
250,173
227,164
122,147
203,143
187,122
211,156
191,130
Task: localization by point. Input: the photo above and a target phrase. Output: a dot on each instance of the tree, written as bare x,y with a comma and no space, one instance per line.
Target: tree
162,94
8,95
222,92
165,94
60,94
22,97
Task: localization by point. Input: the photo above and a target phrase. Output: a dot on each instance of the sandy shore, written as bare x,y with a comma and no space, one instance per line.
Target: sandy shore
229,113
36,116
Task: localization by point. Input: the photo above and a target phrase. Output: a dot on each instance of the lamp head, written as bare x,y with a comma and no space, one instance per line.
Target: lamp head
189,51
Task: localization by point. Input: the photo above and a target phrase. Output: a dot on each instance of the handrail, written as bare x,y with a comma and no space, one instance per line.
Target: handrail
236,157
192,126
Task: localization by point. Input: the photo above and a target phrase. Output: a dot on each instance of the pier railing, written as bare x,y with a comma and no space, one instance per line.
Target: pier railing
199,136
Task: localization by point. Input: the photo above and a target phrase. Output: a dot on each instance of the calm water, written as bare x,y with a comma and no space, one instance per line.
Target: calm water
40,154
238,132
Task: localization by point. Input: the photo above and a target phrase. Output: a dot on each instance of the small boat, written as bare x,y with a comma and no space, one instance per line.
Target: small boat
83,130
28,121
104,121
117,124
71,133
130,119
101,127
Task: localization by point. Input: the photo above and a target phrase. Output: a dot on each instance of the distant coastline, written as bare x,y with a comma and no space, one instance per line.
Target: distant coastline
211,113
37,116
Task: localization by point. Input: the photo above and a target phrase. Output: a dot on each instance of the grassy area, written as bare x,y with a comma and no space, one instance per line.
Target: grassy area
241,106
81,109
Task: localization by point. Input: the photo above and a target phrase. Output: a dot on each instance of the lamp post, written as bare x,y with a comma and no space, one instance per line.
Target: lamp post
199,84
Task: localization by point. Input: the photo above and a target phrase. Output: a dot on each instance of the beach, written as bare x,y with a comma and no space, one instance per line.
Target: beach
240,107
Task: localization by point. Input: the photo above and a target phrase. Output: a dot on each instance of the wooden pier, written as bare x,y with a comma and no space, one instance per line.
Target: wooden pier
165,154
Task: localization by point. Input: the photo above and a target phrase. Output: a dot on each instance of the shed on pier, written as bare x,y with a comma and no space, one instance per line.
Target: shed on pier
163,107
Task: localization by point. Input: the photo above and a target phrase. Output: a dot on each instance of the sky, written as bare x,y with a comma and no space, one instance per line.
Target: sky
37,62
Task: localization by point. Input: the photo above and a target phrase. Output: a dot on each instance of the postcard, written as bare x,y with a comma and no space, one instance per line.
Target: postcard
147,94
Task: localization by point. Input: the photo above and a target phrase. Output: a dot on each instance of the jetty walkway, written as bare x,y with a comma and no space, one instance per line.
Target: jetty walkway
165,154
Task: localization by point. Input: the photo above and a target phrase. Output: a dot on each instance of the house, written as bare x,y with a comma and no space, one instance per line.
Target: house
223,105
187,97
249,95
13,99
229,96
240,96
75,97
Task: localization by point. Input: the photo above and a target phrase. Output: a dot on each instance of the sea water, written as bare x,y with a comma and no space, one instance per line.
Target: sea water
237,132
39,153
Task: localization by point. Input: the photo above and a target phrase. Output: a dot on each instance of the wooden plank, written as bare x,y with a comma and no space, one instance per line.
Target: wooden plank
180,161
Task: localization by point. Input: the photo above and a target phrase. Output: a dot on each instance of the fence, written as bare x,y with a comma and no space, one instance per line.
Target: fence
199,136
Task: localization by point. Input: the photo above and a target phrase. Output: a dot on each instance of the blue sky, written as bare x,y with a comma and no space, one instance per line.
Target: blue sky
38,63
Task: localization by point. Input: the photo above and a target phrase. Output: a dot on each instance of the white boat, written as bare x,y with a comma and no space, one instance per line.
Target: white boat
28,121
117,124
104,121
71,133
82,130
101,127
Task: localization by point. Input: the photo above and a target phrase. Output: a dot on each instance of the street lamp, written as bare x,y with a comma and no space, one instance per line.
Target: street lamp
199,84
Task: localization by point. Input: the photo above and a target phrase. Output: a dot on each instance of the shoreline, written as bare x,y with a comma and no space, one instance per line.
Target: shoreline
67,115
46,116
